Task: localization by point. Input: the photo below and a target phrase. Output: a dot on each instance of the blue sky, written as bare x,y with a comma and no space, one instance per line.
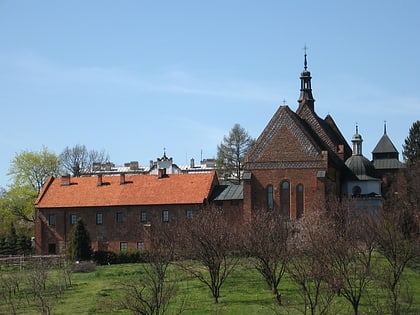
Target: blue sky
134,77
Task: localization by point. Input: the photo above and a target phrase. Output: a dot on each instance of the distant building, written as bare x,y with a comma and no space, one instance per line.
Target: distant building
133,167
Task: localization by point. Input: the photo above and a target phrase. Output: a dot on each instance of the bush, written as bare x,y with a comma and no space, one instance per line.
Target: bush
104,257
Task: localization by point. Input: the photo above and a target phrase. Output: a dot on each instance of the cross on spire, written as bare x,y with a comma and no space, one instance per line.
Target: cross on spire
305,64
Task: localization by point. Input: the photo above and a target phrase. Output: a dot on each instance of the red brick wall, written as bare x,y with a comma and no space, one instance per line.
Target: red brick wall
314,189
108,235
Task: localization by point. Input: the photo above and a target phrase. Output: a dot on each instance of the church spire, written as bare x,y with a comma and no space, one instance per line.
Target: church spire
357,142
306,97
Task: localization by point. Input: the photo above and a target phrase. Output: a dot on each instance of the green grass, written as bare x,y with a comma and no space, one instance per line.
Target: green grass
245,292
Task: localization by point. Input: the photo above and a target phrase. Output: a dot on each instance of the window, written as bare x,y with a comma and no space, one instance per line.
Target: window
299,201
99,218
52,249
144,217
73,219
270,198
165,216
140,245
51,220
189,214
123,245
285,199
119,217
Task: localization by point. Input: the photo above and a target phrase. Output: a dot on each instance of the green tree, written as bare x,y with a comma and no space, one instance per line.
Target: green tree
79,245
30,168
411,146
231,153
17,204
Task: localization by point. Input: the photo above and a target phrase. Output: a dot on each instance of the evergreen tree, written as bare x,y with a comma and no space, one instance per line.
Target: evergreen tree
79,246
411,146
231,153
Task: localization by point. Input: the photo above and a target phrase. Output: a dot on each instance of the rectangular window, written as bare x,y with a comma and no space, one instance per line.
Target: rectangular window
119,217
73,219
144,218
123,245
99,218
51,220
165,216
52,249
140,245
189,214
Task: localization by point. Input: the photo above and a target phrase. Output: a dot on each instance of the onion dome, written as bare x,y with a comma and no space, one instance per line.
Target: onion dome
357,163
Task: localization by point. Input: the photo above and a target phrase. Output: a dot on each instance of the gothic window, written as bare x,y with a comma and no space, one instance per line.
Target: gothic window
270,198
299,201
285,199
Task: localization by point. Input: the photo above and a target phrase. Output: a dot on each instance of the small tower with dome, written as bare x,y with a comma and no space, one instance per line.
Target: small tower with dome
362,182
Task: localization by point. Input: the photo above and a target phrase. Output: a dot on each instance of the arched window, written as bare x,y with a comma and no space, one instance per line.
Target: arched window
299,201
285,199
270,197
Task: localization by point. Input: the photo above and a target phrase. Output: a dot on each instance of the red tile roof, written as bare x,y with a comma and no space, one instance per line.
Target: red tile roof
138,190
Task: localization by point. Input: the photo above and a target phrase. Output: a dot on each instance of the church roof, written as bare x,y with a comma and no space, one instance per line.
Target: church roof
361,167
136,190
387,164
385,145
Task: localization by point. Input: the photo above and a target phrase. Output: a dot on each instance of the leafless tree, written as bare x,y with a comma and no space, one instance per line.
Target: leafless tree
266,241
38,287
152,292
9,287
307,265
78,160
399,247
350,250
208,239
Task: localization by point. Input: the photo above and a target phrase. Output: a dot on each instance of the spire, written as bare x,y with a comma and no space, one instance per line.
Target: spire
357,142
306,97
384,127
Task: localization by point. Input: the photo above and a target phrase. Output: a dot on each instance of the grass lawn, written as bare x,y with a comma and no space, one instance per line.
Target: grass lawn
245,292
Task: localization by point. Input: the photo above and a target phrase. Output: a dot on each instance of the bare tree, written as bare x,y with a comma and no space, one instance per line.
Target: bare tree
267,242
399,247
152,293
350,250
78,160
9,287
307,266
209,240
38,287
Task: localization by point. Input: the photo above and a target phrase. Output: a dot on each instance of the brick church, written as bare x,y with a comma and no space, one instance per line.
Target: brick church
299,161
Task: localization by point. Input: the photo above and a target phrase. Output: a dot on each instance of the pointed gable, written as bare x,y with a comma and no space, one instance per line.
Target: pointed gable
326,130
136,190
285,138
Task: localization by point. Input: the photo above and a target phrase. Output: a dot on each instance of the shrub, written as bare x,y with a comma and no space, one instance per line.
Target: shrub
104,257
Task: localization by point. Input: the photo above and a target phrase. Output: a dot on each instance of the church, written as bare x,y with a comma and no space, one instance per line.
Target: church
299,161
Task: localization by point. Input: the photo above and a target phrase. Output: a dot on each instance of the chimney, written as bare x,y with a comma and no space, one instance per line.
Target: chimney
192,163
134,165
122,179
161,172
99,179
65,180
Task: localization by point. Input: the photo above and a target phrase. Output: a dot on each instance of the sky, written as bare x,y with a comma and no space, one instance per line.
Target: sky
134,77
